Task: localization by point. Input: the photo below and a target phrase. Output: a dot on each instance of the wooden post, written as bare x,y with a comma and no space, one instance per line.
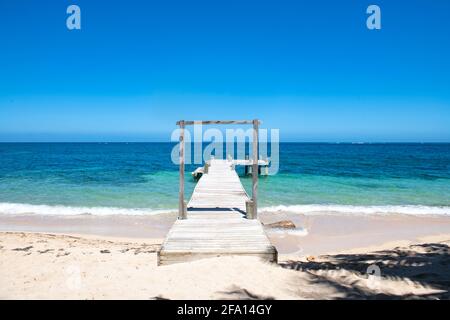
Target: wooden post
246,166
255,170
249,209
182,214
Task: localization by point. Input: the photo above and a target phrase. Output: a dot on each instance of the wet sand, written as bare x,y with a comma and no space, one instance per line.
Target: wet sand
315,234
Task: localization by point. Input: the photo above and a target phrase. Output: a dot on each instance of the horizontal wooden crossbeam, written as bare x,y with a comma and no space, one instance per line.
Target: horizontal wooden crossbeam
206,122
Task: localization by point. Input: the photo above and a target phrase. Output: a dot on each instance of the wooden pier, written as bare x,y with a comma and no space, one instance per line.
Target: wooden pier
220,218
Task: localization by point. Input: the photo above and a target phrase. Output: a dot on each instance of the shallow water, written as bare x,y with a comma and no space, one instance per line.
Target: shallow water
139,178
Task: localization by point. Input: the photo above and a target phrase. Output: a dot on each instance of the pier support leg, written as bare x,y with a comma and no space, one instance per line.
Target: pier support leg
249,209
246,172
255,170
182,212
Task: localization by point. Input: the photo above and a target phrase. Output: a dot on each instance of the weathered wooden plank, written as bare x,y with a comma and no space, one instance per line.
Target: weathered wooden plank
164,258
216,224
250,162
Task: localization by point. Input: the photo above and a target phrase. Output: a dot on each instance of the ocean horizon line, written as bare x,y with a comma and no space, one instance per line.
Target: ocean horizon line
174,142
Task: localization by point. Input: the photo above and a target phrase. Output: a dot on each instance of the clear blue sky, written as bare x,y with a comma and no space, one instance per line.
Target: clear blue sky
310,68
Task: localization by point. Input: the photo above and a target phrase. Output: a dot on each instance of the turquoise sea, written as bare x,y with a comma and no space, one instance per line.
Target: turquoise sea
139,178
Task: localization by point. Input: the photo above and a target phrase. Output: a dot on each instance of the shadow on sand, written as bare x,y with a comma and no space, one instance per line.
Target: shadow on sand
423,265
237,293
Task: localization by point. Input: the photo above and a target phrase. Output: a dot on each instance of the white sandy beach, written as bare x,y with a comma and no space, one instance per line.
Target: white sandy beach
414,263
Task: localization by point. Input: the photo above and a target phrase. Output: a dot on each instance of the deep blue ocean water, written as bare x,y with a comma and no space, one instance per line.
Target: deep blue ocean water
140,178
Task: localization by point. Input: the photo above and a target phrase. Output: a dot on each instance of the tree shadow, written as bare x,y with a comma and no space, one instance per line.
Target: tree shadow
424,265
236,293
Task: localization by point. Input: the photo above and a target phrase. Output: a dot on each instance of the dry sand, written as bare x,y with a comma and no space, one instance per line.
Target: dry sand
55,266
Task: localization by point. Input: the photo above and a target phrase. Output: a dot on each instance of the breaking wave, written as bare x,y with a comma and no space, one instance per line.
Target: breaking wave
20,208
351,209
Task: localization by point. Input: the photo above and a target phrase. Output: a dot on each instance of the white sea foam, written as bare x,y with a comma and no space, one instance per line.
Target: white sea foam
301,232
20,208
350,209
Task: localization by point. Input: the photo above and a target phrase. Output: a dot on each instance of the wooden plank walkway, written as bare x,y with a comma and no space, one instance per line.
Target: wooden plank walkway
216,223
